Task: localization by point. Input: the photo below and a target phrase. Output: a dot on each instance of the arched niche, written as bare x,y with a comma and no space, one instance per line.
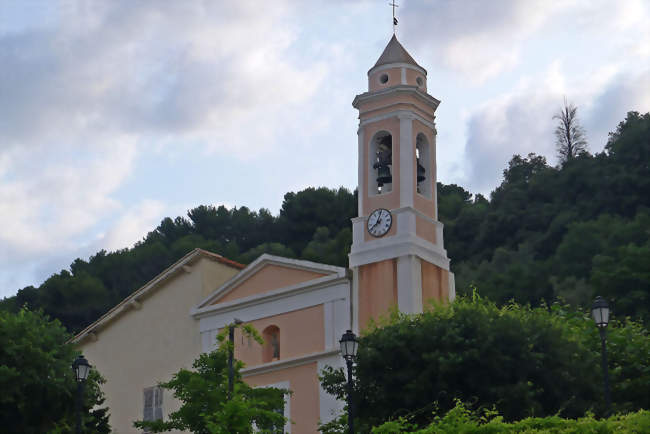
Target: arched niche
423,165
271,348
380,164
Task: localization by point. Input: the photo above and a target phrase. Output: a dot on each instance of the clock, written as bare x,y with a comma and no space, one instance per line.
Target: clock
379,222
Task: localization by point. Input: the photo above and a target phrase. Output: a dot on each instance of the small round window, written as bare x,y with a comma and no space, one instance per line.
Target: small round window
419,81
383,79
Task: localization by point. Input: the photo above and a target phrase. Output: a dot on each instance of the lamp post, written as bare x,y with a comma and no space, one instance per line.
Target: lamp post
600,313
231,351
349,352
81,368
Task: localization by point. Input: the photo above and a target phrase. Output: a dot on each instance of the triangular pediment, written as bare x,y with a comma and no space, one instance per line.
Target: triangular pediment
269,273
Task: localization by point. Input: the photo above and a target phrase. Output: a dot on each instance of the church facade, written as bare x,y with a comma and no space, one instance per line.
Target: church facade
301,308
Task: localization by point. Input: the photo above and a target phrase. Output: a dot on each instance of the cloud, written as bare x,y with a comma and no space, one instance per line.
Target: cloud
515,124
479,39
132,225
520,122
194,71
48,198
626,92
92,87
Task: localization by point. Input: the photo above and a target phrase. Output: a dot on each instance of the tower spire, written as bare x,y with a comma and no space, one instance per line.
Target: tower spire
394,5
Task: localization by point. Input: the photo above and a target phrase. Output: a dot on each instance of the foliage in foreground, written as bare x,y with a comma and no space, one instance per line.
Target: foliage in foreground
521,361
37,384
461,420
206,408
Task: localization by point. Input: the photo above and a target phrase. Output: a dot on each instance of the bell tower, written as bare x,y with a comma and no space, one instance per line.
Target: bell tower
397,257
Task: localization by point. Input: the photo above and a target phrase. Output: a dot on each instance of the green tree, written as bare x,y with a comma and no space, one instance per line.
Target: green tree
324,248
624,278
206,408
270,248
36,379
304,212
546,213
518,360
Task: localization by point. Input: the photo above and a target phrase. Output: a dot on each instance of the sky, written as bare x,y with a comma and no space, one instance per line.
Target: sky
116,114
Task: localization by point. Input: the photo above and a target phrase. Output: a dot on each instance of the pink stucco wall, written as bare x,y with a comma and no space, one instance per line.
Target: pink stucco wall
267,279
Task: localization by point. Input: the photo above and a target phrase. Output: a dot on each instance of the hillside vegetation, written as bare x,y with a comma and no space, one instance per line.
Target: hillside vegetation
546,232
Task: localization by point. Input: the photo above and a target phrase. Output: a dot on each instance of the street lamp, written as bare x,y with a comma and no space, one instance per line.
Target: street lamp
349,346
600,313
81,368
231,350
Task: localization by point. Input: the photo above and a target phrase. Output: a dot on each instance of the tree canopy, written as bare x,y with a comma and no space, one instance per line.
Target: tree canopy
36,379
516,360
572,231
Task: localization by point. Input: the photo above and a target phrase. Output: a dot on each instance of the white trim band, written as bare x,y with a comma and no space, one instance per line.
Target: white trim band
396,246
386,66
287,363
398,113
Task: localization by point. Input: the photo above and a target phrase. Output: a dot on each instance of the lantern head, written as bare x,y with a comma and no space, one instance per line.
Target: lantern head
349,345
81,368
600,312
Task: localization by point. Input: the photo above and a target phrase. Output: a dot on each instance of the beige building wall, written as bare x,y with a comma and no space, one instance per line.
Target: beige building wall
144,346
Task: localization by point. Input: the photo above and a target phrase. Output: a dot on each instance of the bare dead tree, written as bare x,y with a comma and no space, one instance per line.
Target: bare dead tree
569,134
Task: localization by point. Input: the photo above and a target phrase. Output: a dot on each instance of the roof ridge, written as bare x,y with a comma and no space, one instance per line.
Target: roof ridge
160,278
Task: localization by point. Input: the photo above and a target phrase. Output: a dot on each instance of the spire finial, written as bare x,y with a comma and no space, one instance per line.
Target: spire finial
394,5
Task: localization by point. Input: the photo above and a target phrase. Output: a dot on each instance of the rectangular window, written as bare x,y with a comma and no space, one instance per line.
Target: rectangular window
152,408
284,410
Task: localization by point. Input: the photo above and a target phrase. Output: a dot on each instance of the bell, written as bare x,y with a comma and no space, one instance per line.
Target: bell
421,171
383,175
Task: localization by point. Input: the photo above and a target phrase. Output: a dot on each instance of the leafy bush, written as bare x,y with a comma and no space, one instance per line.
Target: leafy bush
521,361
461,420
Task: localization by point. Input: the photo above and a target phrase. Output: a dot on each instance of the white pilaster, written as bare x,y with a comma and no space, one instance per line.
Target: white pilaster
361,190
434,173
406,160
405,222
452,286
358,230
403,75
330,407
409,284
354,305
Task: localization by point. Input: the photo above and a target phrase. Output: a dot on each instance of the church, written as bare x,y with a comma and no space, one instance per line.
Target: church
301,308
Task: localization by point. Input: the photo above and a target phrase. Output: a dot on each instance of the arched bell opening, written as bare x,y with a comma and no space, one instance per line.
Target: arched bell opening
381,163
423,165
271,348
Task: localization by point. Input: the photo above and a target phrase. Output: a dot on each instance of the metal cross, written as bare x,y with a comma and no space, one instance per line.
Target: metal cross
394,5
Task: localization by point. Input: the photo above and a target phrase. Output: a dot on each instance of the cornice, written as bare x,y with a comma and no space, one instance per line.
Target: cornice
288,363
270,296
260,263
399,89
396,246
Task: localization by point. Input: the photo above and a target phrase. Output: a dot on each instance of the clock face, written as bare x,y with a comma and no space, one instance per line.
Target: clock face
379,222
